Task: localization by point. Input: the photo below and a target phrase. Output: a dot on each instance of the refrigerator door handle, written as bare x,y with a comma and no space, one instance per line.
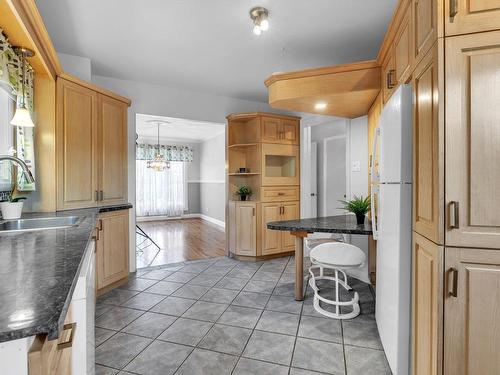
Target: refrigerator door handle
374,185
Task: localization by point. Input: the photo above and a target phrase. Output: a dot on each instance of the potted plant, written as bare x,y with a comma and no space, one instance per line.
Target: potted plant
359,206
13,207
244,191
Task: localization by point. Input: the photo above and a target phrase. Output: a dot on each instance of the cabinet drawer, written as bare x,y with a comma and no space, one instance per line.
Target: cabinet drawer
280,194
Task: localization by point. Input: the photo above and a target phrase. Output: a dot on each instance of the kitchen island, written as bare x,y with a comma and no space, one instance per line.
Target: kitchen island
345,224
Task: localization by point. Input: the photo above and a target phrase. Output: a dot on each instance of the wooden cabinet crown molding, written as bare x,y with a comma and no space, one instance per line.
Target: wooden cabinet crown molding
245,116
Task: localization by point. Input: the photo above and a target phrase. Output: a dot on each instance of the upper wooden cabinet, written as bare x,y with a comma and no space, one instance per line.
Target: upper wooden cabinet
403,56
472,140
472,312
428,147
427,305
427,18
471,16
112,255
91,144
280,130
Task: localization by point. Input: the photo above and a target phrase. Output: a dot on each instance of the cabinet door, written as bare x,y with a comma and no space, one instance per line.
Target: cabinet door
388,76
426,27
427,294
271,129
112,259
76,140
113,150
471,16
290,132
473,140
271,239
402,49
472,312
428,147
290,211
246,229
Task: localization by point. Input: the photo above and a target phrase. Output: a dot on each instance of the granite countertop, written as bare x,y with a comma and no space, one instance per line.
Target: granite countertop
38,273
330,224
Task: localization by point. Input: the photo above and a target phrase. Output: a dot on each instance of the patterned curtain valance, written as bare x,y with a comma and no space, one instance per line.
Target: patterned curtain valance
11,72
170,153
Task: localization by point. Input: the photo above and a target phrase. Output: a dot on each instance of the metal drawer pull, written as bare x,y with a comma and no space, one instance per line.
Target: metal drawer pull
455,214
281,193
69,343
454,289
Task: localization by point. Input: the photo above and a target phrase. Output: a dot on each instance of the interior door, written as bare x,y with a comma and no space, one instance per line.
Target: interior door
77,170
471,16
271,239
290,211
472,312
113,150
246,229
334,175
314,179
472,140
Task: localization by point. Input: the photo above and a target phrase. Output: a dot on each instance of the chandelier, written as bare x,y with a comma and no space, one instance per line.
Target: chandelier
158,162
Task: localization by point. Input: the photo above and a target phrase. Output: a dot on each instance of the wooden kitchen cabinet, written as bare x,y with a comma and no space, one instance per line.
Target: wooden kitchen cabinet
472,312
428,146
77,128
112,250
273,241
427,305
280,130
472,140
280,165
91,146
471,16
403,57
388,76
112,150
427,16
246,228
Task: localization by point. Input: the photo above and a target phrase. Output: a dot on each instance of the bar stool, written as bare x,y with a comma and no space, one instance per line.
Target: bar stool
337,256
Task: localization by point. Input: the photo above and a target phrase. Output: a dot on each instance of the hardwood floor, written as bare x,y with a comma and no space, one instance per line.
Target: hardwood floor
179,240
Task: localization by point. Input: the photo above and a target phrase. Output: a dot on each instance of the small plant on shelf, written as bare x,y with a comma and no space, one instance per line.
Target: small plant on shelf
358,206
244,191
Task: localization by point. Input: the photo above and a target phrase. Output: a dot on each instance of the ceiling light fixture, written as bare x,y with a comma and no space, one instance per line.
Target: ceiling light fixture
259,16
22,117
158,163
320,106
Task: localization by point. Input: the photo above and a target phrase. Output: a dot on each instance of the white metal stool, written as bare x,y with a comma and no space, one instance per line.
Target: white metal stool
337,256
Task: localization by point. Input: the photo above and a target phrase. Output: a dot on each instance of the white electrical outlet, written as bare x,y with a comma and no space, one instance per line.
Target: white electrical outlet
356,166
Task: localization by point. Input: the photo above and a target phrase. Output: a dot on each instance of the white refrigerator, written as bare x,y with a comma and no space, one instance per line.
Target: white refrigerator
392,221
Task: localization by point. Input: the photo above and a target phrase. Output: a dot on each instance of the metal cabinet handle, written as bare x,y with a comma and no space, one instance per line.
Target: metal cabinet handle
96,234
454,283
455,214
101,195
281,193
100,224
453,9
69,343
390,76
253,211
96,195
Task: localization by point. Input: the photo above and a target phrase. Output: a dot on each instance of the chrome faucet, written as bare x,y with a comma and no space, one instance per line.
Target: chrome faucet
27,173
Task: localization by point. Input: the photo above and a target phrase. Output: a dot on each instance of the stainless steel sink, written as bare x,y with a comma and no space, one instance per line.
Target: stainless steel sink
38,223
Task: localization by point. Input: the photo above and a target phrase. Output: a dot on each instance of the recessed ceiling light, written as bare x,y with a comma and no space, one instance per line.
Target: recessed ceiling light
259,16
320,105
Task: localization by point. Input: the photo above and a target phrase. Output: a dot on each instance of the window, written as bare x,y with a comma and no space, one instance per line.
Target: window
6,138
161,193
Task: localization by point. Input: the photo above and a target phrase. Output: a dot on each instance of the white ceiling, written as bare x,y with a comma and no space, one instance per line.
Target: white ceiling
176,129
209,45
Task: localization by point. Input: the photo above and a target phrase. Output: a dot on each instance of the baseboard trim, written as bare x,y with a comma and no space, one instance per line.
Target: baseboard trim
210,219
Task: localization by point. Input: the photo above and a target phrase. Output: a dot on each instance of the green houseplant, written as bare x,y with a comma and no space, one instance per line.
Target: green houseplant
244,191
358,206
13,207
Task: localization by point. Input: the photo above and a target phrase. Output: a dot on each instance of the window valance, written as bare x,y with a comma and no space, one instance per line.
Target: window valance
170,153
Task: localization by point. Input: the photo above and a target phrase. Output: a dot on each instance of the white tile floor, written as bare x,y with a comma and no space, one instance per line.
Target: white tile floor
222,316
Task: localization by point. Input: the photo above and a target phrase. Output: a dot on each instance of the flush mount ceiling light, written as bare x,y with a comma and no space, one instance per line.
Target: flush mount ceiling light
22,116
320,105
259,16
158,163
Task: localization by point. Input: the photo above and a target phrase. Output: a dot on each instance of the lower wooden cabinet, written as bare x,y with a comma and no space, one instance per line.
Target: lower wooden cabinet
112,249
427,304
274,242
472,311
246,229
53,357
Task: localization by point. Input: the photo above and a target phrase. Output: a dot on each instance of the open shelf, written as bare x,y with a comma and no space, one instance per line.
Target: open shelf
244,174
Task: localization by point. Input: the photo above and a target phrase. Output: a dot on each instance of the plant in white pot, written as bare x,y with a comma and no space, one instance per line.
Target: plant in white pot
13,207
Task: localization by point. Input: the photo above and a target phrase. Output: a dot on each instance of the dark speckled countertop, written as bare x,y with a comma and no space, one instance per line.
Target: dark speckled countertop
38,273
329,224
